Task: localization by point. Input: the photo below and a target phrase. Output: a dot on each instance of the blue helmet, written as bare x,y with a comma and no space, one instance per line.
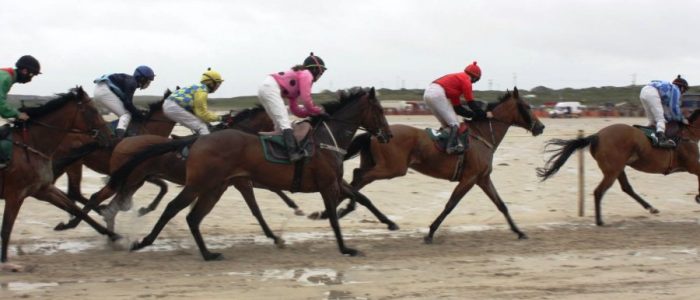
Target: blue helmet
144,72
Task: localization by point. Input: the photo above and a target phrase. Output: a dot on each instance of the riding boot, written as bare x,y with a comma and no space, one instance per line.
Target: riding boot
295,153
664,141
454,145
119,133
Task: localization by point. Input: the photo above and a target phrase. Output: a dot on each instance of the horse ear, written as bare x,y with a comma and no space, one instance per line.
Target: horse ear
515,92
372,93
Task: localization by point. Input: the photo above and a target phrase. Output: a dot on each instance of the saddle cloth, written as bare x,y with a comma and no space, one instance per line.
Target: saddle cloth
440,136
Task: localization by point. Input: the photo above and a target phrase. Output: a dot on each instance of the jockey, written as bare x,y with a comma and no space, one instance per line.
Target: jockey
25,69
116,93
661,102
188,105
293,85
442,97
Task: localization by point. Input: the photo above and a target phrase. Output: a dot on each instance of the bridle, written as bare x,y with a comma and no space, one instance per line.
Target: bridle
92,132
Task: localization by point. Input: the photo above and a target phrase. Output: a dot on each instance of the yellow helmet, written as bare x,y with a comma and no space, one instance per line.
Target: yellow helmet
212,76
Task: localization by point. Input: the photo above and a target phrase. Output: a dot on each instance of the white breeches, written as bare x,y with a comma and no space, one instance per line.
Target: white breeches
441,107
185,118
270,96
651,101
106,98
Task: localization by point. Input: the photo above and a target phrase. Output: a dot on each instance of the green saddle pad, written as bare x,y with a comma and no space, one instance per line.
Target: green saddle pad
440,137
274,149
650,133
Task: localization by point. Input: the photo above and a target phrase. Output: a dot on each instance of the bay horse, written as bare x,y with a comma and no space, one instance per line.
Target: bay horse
30,172
618,146
77,150
168,167
412,148
231,157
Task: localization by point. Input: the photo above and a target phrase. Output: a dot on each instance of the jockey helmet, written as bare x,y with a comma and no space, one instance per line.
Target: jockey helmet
30,63
681,83
144,72
211,76
315,65
474,71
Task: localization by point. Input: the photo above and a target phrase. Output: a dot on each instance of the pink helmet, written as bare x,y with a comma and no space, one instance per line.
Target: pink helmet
473,70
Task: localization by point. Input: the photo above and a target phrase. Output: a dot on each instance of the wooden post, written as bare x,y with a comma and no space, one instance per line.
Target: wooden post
581,183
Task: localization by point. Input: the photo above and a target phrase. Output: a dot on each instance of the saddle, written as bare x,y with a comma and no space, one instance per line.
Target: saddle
275,149
440,136
672,129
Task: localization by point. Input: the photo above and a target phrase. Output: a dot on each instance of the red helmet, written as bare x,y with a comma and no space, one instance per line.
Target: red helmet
473,70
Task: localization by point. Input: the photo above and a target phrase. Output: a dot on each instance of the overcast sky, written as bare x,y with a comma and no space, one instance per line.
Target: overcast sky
386,44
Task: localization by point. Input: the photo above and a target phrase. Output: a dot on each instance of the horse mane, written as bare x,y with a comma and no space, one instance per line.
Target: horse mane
53,104
694,115
501,99
247,113
344,98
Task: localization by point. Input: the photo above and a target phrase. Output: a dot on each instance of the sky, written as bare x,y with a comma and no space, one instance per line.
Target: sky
386,44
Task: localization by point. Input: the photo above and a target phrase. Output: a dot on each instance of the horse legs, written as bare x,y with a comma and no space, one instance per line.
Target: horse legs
489,189
205,203
97,198
163,190
331,196
462,188
245,187
56,197
346,189
627,188
12,205
604,185
186,196
75,176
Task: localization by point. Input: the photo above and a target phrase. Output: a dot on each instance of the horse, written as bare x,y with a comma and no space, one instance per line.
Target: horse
76,150
231,157
168,167
412,148
618,146
29,172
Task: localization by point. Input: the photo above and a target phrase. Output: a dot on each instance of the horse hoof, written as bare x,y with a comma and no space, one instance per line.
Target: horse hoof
136,246
351,252
115,237
600,223
522,236
60,227
280,243
143,211
213,256
697,199
315,216
428,239
298,212
653,210
393,226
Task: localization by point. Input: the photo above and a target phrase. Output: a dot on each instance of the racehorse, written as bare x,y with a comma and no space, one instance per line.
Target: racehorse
29,172
619,145
168,166
77,150
233,157
412,148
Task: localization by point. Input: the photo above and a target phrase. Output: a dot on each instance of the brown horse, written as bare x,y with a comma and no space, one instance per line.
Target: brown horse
30,173
77,150
619,145
412,148
168,166
234,157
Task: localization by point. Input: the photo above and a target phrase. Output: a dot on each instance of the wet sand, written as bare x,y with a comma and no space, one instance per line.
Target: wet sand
637,256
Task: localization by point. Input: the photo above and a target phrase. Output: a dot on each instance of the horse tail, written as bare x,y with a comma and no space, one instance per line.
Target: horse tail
359,143
118,177
562,153
60,165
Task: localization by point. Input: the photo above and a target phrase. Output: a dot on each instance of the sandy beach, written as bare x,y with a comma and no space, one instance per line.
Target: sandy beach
474,256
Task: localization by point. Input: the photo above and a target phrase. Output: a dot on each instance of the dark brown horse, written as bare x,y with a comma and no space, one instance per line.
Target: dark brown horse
169,167
77,150
412,148
619,145
30,172
234,157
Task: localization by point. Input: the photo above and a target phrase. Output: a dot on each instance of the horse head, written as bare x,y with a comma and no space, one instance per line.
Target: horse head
513,110
371,112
